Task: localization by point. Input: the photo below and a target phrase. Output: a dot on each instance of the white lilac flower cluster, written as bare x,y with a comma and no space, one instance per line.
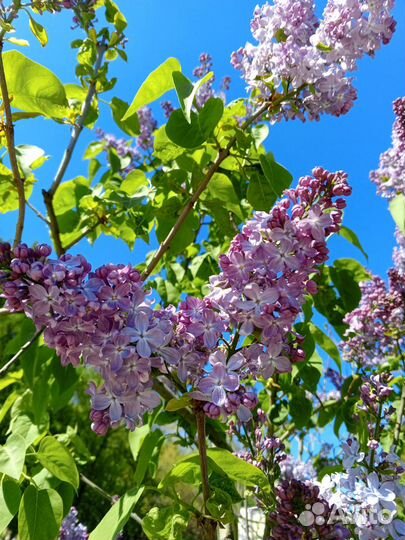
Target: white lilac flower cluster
311,58
367,496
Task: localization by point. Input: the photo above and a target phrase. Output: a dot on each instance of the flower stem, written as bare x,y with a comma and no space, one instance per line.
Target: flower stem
209,525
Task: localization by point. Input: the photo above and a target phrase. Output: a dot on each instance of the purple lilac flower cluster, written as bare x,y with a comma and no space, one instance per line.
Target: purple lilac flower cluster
299,53
100,317
104,319
302,513
390,176
135,153
377,327
71,528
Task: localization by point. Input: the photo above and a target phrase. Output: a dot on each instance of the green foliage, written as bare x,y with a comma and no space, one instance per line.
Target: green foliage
35,89
158,83
165,523
194,133
40,514
115,519
10,496
57,459
12,456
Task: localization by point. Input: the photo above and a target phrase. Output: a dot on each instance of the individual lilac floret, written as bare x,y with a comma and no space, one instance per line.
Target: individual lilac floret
71,528
310,58
390,176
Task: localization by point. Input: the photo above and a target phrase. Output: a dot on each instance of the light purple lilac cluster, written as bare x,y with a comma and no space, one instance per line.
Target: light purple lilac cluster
104,319
99,317
297,52
134,153
390,176
71,528
368,495
377,327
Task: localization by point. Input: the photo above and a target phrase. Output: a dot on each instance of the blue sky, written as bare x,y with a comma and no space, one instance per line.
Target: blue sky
160,29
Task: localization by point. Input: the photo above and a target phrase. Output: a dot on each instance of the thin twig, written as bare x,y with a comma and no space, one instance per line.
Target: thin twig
104,494
67,156
9,132
23,349
223,154
38,213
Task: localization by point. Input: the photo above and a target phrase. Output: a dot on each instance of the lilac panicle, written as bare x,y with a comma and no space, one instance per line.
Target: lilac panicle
104,320
312,57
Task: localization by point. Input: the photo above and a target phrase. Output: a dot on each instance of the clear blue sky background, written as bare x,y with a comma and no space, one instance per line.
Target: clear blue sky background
183,29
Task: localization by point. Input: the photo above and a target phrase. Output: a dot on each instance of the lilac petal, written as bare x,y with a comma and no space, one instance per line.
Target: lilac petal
244,413
155,337
141,322
207,384
218,371
115,411
150,399
143,349
218,396
236,361
100,402
231,382
210,339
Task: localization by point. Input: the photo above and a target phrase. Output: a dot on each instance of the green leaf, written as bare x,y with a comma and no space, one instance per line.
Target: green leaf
220,188
115,519
397,209
40,514
69,194
10,496
176,404
12,456
219,506
277,175
260,194
187,471
164,523
326,343
39,31
201,126
33,87
8,191
352,237
300,409
58,461
151,441
187,91
239,470
155,86
130,125
136,439
136,184
165,149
